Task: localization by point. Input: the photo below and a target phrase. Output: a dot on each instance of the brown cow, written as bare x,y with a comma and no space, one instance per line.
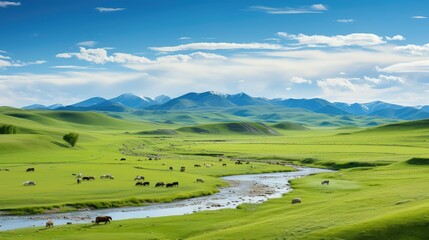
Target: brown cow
49,224
105,219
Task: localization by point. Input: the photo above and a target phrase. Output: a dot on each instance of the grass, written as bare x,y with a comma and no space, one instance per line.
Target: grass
379,191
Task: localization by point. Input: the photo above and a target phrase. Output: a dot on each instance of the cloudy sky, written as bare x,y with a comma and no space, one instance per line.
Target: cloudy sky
64,51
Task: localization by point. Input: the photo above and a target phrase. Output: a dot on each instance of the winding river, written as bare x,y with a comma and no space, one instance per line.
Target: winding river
251,188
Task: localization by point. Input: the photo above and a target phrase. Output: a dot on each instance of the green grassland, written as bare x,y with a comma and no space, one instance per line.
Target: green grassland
378,192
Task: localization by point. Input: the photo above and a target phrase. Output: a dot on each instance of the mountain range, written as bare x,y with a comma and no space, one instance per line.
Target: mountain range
130,102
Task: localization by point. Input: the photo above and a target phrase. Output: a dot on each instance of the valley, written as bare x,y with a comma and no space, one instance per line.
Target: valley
377,189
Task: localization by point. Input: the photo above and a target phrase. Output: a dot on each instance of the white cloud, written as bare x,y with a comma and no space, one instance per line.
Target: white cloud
345,20
316,8
69,67
265,73
105,9
300,80
216,46
396,38
10,63
341,84
100,56
419,17
87,43
354,39
63,55
353,90
408,67
319,7
384,79
4,4
70,78
4,57
184,38
417,50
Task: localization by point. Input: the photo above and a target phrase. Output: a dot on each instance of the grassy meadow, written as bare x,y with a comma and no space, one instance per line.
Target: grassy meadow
378,192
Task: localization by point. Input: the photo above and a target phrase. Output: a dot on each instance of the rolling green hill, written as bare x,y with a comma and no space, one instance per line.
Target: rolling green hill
289,126
246,128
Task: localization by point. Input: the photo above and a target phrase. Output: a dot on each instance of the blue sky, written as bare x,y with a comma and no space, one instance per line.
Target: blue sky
63,51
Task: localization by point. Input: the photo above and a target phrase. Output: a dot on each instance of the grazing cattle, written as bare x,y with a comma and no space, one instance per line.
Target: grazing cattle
159,184
30,169
80,175
123,159
78,181
326,182
106,176
220,159
199,180
138,178
171,168
29,183
238,162
49,224
87,178
182,169
207,165
175,184
197,165
169,185
296,200
224,165
142,183
105,219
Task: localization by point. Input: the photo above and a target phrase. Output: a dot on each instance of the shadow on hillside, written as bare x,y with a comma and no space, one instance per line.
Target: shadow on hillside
60,144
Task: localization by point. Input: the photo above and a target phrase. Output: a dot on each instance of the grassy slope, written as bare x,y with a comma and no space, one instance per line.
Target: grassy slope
98,151
242,128
386,200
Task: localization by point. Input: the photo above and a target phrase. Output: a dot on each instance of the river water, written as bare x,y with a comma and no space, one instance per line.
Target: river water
250,188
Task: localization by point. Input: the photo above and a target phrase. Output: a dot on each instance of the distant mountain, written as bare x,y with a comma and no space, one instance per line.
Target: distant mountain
107,106
35,106
162,99
379,105
242,99
194,100
404,113
331,110
42,107
353,109
133,101
238,105
425,108
89,102
309,104
55,106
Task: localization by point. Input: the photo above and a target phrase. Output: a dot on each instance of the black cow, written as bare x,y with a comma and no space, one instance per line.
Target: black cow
30,169
160,184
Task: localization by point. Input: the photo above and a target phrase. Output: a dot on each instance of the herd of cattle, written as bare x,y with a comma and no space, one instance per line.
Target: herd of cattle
140,182
98,220
79,177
